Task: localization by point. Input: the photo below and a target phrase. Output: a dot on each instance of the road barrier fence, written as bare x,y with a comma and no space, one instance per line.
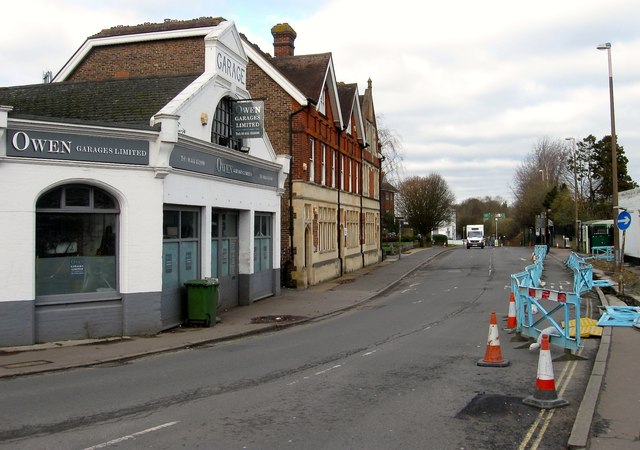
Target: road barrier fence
532,300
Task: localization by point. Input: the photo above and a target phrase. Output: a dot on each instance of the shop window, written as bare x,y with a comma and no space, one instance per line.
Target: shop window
221,130
76,241
180,254
224,243
262,242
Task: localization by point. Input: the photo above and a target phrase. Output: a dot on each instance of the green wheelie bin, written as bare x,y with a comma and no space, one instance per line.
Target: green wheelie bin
202,300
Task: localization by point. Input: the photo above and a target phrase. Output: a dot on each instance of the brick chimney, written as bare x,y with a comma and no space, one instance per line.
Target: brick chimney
283,39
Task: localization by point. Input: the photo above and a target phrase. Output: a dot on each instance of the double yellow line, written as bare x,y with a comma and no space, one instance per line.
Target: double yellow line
543,420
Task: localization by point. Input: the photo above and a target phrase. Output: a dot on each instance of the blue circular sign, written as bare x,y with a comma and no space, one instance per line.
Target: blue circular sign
623,220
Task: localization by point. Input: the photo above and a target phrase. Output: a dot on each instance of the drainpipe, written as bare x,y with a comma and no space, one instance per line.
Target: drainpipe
381,160
291,116
339,179
362,219
340,184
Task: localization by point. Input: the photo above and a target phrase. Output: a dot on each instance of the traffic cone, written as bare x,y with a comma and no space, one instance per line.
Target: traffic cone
493,354
511,317
545,396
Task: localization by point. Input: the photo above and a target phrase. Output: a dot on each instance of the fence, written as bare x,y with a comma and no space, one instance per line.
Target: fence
532,300
603,252
547,302
583,274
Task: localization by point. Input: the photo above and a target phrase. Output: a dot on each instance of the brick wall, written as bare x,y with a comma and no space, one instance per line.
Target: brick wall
142,59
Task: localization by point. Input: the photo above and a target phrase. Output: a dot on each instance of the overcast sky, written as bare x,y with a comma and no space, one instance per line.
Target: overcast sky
469,86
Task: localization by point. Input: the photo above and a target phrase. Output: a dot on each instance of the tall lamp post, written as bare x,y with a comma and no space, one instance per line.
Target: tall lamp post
575,187
614,159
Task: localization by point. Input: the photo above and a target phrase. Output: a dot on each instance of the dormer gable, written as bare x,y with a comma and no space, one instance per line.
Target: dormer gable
224,53
351,111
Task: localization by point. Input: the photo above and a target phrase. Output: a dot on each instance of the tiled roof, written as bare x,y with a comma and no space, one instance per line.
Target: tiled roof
306,72
347,94
167,25
127,102
386,186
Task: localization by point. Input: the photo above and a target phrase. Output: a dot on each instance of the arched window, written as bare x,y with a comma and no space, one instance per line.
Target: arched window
221,132
76,241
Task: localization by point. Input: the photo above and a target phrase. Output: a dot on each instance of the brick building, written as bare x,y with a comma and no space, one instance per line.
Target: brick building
174,84
331,209
128,181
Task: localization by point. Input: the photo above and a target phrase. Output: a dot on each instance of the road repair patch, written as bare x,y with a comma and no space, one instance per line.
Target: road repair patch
490,406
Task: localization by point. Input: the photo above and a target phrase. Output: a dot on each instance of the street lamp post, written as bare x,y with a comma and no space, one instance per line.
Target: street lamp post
575,186
614,159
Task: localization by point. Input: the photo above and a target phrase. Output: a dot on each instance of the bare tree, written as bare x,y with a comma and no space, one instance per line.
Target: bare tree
543,168
426,202
391,144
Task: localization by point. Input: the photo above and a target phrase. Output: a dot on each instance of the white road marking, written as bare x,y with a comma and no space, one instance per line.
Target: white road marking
131,436
328,370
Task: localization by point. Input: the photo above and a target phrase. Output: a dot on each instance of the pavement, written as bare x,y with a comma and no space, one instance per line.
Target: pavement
609,406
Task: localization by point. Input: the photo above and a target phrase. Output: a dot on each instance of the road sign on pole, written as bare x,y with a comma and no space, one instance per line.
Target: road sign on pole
623,220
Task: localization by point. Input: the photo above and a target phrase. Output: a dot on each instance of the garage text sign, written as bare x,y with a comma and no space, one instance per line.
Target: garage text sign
72,147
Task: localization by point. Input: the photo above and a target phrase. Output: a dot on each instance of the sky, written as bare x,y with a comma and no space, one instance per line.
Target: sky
468,87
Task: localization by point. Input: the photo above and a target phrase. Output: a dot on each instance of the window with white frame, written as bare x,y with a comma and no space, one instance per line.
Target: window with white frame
350,166
321,107
324,164
76,242
365,180
312,150
333,168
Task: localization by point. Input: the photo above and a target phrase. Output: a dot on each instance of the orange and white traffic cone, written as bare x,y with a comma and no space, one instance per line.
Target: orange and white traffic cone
545,396
493,354
511,317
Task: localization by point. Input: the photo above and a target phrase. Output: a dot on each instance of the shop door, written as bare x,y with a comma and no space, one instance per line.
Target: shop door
224,255
180,263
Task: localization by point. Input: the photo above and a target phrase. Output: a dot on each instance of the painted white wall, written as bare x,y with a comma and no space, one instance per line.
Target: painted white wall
140,234
203,191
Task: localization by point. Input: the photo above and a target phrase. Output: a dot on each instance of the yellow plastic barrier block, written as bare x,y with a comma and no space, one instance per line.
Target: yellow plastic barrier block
588,328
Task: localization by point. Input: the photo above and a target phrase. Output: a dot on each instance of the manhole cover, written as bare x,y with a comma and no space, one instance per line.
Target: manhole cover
277,319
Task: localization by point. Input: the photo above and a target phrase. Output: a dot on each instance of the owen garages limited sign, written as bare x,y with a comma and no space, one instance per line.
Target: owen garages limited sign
247,120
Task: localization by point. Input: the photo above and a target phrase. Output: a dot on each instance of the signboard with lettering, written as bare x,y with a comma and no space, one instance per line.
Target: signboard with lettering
75,147
196,161
247,120
231,68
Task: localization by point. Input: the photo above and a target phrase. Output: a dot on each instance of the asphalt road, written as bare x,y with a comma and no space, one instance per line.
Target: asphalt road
397,372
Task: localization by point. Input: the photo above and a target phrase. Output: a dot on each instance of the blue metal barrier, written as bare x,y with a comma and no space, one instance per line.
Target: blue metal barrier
603,252
532,300
530,277
547,302
583,274
540,252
